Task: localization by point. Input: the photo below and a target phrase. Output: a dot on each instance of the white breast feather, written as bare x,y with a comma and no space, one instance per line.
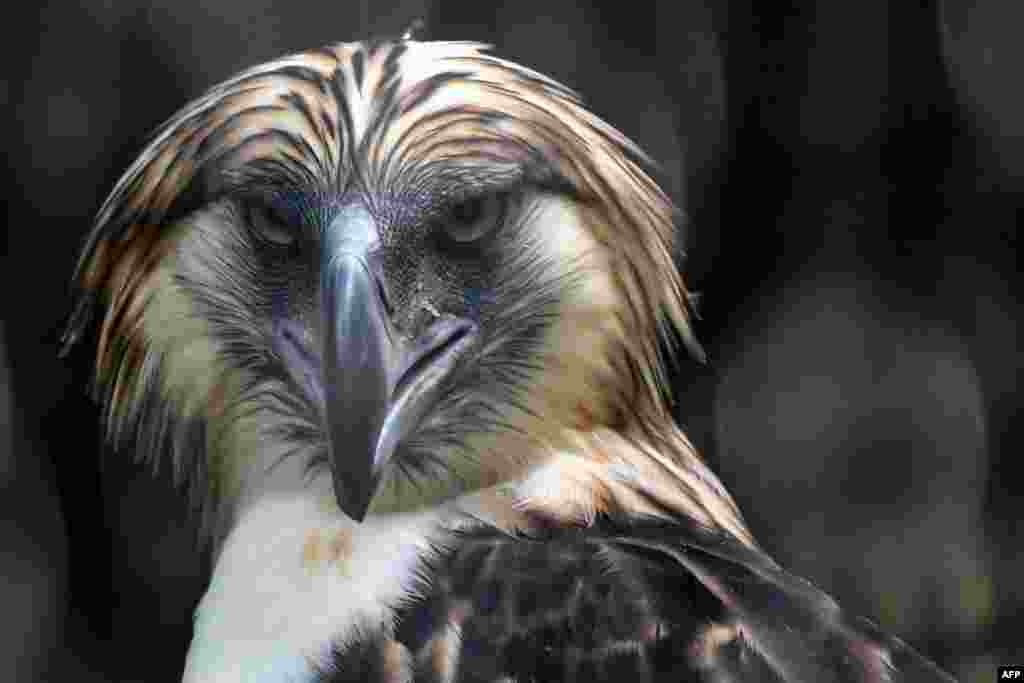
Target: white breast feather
294,577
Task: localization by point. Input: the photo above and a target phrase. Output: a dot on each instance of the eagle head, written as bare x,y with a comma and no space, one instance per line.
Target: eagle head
410,269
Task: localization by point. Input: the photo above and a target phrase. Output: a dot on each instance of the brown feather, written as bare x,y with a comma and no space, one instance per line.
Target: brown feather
416,103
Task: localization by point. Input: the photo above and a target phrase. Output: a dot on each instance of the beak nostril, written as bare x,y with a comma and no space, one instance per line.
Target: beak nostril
375,266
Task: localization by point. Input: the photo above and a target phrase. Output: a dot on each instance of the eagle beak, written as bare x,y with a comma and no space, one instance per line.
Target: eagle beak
377,383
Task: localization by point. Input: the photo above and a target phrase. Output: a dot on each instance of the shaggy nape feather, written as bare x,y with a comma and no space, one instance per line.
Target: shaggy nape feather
180,316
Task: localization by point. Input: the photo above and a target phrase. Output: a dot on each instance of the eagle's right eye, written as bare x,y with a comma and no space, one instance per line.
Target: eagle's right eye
268,227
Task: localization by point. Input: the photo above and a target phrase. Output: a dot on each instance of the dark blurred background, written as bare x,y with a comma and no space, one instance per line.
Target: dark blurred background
853,176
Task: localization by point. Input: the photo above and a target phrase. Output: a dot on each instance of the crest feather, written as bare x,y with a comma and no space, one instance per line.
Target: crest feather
373,109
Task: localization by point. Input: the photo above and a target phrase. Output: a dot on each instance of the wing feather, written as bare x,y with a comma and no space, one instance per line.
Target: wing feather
637,601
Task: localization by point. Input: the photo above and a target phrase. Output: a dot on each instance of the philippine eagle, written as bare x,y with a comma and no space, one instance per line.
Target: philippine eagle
397,313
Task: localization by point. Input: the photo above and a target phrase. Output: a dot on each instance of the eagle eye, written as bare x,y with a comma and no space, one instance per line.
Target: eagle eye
268,226
470,220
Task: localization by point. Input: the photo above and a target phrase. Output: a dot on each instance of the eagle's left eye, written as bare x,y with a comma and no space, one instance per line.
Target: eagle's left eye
474,218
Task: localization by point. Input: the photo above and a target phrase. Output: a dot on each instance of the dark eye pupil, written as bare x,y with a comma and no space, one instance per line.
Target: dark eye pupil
468,212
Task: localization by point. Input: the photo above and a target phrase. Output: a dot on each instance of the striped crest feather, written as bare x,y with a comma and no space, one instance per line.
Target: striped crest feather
374,112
